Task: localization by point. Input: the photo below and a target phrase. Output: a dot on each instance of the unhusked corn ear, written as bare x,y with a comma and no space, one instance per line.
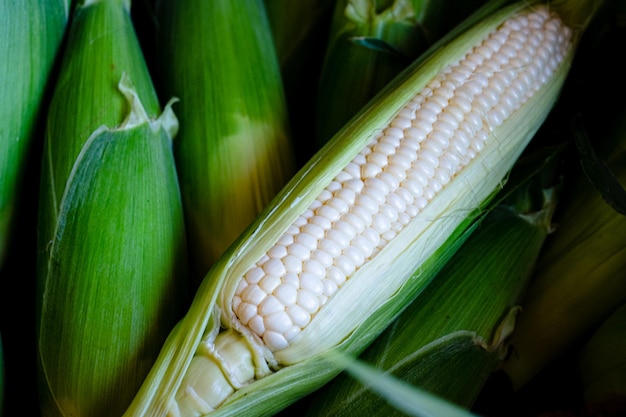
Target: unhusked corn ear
233,151
453,335
31,33
369,43
111,244
362,228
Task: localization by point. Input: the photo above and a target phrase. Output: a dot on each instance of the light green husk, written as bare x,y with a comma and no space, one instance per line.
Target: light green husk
31,33
453,335
111,245
409,399
233,152
389,282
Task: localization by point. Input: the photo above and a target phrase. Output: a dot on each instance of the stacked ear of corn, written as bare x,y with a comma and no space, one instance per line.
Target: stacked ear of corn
233,151
333,259
31,35
111,266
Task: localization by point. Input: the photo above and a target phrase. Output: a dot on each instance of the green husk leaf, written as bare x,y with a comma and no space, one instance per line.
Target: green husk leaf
408,399
233,151
371,42
31,35
112,254
103,330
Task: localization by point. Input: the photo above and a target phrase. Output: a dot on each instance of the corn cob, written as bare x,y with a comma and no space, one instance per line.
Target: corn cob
401,182
453,334
233,149
31,35
111,232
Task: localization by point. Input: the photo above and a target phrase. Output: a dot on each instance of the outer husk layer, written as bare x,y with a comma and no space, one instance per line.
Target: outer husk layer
31,33
233,151
111,244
